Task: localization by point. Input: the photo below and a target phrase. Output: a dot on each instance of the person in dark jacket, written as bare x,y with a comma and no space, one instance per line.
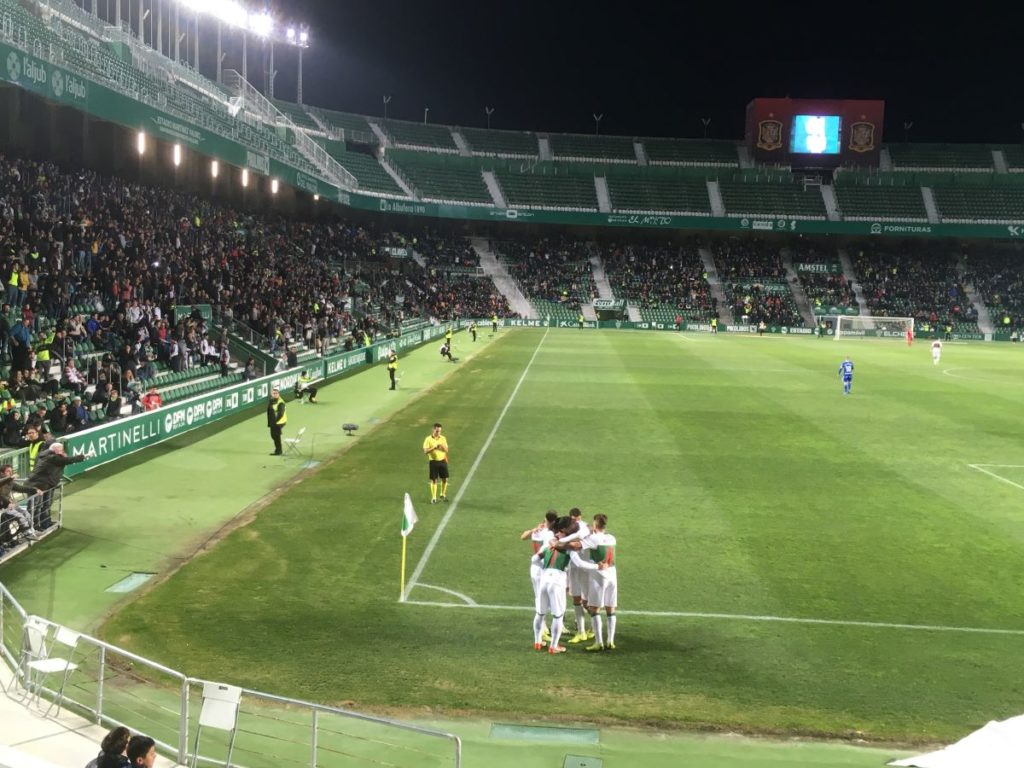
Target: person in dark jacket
46,476
112,750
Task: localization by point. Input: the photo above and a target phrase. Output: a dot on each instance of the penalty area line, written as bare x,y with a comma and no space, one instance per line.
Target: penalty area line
981,468
425,557
754,618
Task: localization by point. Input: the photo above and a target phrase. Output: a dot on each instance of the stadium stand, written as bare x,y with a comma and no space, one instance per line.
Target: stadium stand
346,126
443,178
297,115
547,185
501,143
113,257
770,194
651,190
555,276
950,157
913,280
691,152
427,136
754,281
821,276
577,147
447,253
995,199
150,79
879,197
1014,156
368,171
998,275
663,282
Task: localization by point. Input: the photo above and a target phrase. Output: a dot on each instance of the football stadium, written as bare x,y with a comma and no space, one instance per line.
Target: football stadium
324,433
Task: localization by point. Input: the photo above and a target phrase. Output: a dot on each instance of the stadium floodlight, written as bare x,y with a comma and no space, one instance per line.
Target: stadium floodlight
273,186
177,155
290,34
304,37
214,169
261,24
316,198
245,177
140,143
227,11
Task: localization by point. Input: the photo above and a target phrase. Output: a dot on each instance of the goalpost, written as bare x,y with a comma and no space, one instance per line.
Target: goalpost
861,326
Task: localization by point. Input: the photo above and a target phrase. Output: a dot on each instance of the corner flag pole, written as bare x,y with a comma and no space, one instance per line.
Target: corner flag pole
401,591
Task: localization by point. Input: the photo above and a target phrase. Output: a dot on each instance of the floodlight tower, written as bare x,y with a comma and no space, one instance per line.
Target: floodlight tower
300,40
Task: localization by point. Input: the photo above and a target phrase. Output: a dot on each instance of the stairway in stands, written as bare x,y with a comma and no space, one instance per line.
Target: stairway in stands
851,278
503,281
985,324
797,288
715,284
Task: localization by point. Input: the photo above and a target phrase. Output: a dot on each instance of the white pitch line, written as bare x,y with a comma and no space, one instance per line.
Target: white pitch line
746,617
469,601
469,477
981,468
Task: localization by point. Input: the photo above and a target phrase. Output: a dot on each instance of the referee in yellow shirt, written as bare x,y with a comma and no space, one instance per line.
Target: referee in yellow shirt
436,449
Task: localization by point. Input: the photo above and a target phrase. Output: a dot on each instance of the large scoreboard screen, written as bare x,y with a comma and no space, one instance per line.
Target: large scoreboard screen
815,133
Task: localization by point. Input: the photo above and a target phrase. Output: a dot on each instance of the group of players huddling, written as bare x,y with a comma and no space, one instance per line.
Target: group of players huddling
575,558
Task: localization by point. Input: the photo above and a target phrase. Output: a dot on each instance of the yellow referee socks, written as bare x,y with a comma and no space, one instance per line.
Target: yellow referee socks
433,491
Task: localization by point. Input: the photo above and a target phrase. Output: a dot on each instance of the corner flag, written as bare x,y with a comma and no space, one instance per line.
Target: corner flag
409,518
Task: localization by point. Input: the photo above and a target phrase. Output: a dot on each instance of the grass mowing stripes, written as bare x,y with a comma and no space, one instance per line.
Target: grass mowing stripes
737,478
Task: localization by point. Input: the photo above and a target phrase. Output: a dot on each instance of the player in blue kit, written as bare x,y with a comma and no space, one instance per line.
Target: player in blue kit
846,372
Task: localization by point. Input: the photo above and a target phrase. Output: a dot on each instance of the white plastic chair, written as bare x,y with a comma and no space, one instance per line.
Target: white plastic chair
293,443
39,662
220,712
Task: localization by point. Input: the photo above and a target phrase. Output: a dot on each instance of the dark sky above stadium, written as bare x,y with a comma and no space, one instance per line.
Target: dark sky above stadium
659,69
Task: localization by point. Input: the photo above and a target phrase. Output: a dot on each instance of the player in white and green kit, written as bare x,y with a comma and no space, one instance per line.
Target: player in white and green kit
538,537
599,548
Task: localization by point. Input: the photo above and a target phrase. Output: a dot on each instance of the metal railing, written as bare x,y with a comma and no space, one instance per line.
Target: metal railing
112,686
59,40
258,104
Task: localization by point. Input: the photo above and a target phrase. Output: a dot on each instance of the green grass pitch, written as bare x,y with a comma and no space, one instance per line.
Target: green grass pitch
790,560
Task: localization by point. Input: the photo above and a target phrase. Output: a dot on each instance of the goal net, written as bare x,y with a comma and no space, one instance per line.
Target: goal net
861,326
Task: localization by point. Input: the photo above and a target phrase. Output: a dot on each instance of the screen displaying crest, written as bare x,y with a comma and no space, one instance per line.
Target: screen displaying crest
815,135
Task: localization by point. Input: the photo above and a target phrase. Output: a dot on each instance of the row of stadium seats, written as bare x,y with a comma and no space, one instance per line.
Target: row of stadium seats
368,171
438,177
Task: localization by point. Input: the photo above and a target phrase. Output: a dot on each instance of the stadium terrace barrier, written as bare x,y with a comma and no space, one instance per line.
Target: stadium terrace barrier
705,223
114,687
116,439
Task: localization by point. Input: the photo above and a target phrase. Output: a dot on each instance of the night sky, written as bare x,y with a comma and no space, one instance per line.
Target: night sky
657,70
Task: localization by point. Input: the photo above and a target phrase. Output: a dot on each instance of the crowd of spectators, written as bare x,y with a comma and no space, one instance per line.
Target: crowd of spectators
754,281
94,266
556,271
912,280
454,285
821,276
666,277
998,274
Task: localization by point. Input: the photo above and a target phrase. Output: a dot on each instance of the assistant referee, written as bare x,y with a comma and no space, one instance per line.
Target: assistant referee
436,449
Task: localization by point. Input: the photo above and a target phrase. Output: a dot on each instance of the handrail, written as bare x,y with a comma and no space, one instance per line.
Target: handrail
259,104
104,698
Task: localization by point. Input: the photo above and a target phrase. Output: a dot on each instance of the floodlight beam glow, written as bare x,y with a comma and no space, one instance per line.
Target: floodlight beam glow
234,14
